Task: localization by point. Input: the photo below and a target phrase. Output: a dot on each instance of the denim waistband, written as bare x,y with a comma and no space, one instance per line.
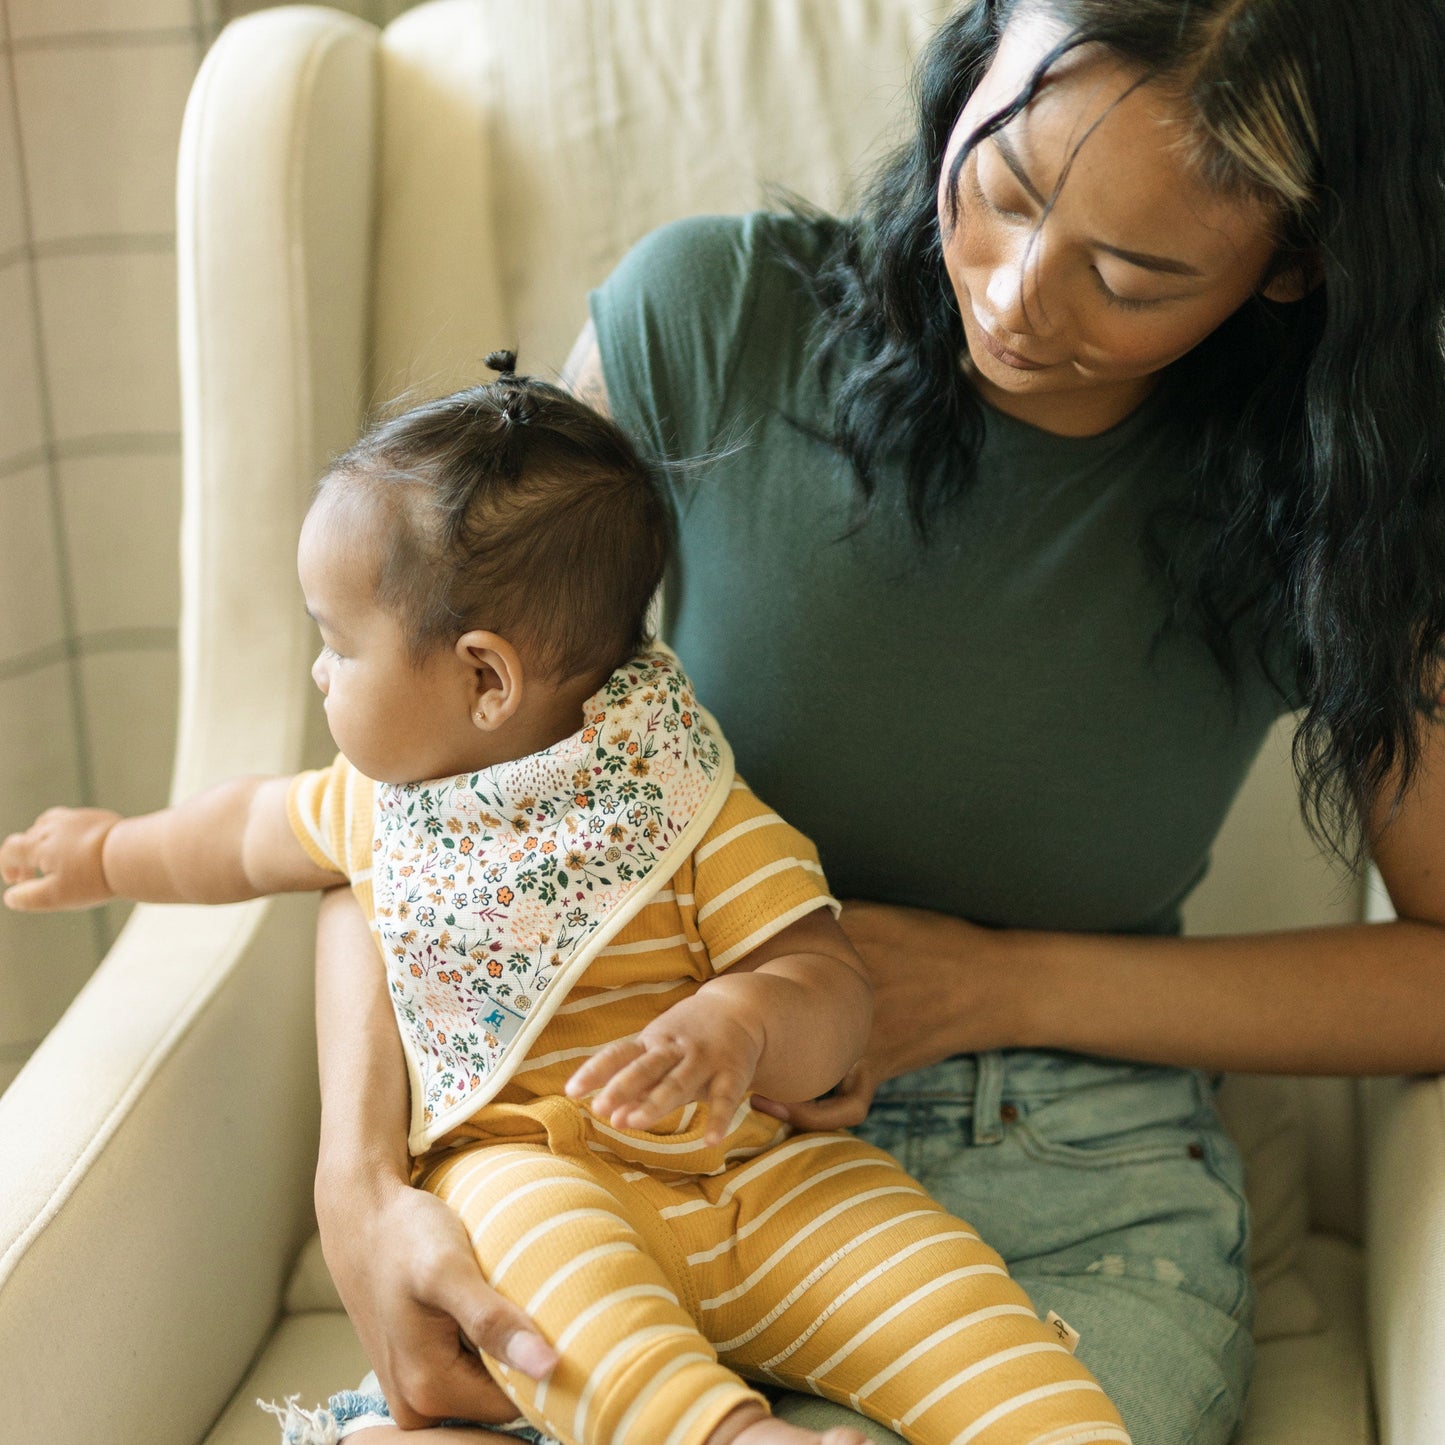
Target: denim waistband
979,1087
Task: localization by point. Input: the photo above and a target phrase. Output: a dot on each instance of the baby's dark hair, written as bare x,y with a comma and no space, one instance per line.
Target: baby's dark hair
514,507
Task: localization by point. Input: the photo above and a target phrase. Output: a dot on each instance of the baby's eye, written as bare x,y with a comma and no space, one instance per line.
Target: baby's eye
329,651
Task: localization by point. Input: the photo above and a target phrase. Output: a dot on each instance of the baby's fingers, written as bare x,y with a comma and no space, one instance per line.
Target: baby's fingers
632,1088
602,1066
36,895
17,860
725,1095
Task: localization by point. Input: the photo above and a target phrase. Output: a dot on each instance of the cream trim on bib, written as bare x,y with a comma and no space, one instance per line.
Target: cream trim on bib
494,890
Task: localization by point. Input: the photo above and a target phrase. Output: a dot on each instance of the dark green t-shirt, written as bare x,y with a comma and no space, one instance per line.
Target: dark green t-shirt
991,726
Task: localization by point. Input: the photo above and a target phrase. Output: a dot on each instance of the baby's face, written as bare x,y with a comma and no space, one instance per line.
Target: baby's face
396,720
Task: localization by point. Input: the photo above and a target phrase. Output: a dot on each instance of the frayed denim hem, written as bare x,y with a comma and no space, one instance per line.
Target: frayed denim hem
352,1410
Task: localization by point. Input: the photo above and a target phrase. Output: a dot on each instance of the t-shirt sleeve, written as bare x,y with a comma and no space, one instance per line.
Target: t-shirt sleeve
669,322
753,875
329,810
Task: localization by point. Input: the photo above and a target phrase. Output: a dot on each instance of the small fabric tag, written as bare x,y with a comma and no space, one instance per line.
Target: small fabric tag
1067,1335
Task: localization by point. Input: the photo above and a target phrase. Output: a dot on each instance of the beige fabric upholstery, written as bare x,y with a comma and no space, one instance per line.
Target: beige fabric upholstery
361,212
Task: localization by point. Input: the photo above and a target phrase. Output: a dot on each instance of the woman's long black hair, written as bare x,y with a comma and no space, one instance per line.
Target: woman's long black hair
1318,509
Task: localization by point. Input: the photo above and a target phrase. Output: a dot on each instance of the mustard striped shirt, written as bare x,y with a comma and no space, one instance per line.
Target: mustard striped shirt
752,875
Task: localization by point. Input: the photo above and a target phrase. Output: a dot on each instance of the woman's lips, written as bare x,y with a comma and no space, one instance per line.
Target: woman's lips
1009,358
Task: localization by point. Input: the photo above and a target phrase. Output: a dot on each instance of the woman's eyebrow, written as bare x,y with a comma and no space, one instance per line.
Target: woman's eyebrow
1144,259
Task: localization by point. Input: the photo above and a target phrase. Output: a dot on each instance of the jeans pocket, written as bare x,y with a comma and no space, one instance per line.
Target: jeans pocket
1156,1116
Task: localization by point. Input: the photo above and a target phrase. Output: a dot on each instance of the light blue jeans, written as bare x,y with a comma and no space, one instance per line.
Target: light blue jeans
1117,1199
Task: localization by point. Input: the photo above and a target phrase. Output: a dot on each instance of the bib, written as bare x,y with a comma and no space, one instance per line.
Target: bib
494,890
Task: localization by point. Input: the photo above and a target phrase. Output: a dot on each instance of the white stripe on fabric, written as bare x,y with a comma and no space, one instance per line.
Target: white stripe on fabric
610,1301
644,945
514,1196
1017,1403
944,1332
478,1171
979,1367
348,821
615,995
538,1231
812,1227
609,1361
646,1333
770,929
704,1402
581,1261
781,1202
561,1056
688,1146
802,1143
753,879
763,820
629,1418
862,1283
812,1277
1085,1434
303,809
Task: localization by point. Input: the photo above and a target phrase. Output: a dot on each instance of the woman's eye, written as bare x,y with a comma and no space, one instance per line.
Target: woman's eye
989,204
1128,303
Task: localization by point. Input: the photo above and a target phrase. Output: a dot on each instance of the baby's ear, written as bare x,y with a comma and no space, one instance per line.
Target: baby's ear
494,690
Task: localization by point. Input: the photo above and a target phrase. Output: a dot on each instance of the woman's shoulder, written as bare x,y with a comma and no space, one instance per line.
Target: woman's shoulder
676,317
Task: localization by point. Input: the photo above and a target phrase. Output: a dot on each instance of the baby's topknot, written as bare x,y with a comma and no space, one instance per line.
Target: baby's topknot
520,405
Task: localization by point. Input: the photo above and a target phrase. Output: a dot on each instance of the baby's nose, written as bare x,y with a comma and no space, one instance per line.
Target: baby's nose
318,674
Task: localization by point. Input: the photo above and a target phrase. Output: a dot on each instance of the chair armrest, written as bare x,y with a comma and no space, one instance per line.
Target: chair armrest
157,1151
275,197
1405,1256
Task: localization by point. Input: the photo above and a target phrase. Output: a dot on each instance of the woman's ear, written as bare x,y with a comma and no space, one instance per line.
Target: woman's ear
1296,279
496,681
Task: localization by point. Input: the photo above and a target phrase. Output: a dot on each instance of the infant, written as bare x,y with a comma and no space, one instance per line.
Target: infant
599,944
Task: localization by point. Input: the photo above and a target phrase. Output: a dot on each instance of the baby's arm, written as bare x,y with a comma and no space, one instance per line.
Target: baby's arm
788,1020
231,842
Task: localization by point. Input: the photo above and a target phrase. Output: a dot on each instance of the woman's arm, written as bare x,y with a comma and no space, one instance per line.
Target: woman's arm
399,1256
1353,999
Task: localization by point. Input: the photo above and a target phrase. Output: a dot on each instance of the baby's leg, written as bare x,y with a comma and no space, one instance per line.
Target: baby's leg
832,1271
563,1240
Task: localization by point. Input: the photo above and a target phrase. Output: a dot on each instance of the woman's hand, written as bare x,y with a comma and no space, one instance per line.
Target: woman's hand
400,1258
410,1283
938,990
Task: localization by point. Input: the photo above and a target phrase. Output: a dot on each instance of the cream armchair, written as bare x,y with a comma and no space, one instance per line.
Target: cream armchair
363,211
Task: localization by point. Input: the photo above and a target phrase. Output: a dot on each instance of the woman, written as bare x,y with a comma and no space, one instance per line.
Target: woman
1111,428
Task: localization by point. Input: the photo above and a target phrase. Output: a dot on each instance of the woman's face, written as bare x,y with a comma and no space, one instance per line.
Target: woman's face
1069,322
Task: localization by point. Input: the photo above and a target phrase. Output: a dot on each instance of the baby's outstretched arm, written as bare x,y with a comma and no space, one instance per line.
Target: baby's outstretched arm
788,1021
231,842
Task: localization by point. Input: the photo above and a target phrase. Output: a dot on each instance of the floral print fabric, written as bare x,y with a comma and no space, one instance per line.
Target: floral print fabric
492,890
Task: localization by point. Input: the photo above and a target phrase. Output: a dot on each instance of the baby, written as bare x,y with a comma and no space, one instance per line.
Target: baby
598,945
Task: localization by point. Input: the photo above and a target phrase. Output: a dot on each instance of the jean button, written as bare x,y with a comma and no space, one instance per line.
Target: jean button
1009,1113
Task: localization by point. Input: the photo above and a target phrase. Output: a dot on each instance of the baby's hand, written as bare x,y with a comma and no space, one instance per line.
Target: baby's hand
702,1049
56,862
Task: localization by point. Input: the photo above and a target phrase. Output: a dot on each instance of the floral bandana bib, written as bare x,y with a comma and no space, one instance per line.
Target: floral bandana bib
494,890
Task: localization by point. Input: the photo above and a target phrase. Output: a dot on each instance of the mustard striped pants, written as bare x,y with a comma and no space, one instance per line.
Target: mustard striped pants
818,1265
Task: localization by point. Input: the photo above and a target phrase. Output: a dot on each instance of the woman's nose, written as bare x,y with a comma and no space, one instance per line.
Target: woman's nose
1018,289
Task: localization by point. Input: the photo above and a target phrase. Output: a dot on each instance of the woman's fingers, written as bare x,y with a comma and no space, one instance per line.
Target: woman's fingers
845,1107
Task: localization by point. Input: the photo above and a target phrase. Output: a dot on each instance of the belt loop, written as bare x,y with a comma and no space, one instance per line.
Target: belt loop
988,1095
